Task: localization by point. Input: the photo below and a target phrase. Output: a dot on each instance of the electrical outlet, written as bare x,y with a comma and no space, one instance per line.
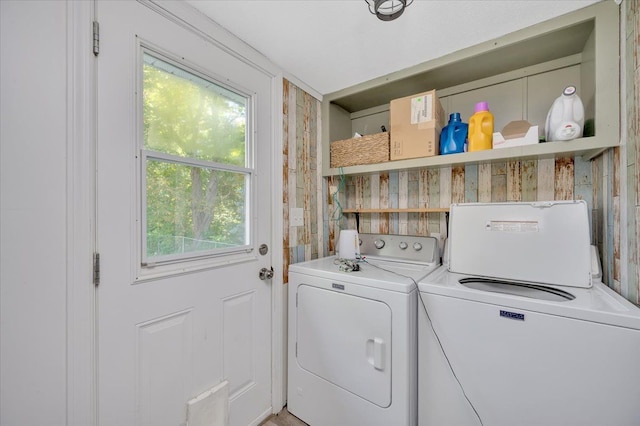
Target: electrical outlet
296,216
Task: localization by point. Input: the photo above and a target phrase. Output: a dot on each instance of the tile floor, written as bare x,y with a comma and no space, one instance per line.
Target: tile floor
283,418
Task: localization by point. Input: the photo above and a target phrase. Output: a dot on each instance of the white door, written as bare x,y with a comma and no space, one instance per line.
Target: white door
183,195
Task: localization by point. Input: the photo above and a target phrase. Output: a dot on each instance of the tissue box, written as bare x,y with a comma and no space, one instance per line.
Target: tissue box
514,135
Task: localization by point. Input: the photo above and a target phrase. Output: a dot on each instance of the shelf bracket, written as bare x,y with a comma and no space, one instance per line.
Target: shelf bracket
446,221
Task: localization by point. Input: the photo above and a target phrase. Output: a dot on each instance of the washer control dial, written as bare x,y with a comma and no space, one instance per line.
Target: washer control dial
403,245
417,246
379,244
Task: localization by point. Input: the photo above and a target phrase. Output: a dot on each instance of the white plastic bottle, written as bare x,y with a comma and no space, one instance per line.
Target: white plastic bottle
565,119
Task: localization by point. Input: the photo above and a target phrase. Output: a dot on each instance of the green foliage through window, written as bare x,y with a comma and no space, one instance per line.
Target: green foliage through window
195,160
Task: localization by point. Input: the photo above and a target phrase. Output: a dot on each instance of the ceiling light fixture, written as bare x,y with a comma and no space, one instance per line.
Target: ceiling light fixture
387,10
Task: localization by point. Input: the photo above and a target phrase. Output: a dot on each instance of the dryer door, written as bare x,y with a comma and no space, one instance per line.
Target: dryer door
346,340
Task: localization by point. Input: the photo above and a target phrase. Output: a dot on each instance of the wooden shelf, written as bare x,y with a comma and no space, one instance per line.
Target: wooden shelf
407,210
587,147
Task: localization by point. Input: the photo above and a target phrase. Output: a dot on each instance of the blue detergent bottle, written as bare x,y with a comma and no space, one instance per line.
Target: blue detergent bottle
453,135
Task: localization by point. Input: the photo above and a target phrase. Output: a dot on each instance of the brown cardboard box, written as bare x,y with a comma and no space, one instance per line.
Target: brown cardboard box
416,122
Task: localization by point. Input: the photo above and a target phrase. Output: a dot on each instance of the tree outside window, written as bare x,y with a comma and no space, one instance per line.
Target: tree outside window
195,162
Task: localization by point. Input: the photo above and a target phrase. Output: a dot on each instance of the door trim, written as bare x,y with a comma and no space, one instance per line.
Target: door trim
278,307
82,241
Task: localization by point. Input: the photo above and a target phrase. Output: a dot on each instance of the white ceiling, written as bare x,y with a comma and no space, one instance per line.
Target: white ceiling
332,44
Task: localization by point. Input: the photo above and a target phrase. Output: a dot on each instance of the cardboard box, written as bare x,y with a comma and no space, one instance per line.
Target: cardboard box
516,134
416,122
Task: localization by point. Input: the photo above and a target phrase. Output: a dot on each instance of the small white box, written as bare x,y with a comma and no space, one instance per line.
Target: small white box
530,138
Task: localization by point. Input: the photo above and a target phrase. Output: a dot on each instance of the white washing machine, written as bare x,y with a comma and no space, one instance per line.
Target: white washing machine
353,335
519,329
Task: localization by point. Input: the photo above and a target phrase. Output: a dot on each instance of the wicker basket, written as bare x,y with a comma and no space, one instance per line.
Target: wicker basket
367,149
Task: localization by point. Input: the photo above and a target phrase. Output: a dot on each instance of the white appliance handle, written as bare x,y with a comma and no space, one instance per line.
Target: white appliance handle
375,353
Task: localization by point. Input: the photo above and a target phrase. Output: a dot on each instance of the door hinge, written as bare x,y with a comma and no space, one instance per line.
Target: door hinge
96,38
96,269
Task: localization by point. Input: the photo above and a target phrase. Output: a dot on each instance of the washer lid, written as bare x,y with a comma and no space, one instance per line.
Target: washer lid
544,242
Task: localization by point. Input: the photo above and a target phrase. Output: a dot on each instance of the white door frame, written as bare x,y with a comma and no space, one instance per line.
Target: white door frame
81,209
81,241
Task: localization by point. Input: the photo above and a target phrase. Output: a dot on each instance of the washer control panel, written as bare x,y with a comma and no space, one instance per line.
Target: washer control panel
405,247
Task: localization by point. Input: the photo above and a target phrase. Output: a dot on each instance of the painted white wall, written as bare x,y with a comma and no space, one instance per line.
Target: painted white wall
33,262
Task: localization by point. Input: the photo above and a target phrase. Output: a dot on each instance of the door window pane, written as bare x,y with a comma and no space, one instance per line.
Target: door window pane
195,165
188,116
193,209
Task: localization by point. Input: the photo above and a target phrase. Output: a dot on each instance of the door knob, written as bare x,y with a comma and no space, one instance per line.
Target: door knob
266,274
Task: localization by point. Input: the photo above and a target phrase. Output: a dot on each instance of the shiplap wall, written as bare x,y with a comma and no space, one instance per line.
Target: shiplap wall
302,176
598,182
632,151
534,180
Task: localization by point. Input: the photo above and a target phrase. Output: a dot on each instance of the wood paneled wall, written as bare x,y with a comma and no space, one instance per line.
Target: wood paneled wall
302,176
534,180
627,193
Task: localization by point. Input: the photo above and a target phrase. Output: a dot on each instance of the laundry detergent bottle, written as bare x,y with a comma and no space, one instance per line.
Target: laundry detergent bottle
454,135
565,119
481,128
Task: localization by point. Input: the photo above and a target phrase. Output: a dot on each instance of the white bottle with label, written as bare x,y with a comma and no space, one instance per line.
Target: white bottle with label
565,119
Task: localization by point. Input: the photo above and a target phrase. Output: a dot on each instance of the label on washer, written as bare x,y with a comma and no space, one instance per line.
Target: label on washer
512,315
512,226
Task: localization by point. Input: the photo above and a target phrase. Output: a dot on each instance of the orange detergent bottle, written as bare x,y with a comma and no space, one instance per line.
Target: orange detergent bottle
481,128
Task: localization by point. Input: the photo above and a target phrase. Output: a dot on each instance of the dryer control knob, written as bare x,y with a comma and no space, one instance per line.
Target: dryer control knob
403,245
417,246
378,243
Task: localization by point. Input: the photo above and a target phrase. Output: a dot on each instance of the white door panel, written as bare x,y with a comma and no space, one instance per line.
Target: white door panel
167,333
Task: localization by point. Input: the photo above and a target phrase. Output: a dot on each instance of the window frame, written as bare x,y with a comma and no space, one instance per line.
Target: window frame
158,266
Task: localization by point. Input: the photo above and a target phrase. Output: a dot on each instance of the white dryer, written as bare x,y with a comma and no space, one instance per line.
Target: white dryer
519,329
353,335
